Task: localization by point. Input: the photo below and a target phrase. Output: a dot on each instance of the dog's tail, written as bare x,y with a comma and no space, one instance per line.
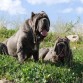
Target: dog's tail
3,49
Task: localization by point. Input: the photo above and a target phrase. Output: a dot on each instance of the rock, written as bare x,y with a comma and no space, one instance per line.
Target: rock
73,38
5,81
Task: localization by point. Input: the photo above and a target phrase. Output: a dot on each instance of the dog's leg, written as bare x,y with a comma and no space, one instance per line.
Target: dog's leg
20,51
36,55
43,52
36,52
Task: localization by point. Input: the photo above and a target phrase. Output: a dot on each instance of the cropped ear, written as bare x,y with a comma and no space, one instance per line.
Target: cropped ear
32,15
42,12
55,45
67,39
55,48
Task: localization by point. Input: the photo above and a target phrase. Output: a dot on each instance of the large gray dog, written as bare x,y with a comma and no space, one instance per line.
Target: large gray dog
25,42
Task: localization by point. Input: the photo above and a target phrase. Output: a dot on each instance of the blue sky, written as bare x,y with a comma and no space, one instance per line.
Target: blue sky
68,10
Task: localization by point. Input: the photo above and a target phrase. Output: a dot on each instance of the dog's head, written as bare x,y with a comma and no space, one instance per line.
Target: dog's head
62,47
40,24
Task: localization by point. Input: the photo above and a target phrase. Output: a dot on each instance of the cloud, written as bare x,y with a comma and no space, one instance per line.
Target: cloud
79,10
81,1
12,7
67,10
48,2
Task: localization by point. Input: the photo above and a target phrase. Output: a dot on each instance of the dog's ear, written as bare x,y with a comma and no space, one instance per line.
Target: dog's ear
32,15
55,48
67,39
68,43
42,12
55,45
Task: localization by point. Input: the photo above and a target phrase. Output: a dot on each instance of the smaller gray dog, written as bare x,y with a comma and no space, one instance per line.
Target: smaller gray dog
60,53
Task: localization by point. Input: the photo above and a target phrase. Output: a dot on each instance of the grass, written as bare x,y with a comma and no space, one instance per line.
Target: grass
4,34
42,72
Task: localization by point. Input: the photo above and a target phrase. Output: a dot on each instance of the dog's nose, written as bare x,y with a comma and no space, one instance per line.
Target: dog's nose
46,25
44,19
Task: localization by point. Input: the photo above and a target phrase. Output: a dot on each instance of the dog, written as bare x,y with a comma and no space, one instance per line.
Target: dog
3,49
26,41
62,49
48,54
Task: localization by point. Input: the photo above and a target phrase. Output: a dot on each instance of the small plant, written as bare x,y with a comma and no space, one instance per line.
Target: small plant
42,72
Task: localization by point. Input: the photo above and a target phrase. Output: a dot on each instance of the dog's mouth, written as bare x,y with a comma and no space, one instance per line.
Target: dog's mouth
61,55
44,33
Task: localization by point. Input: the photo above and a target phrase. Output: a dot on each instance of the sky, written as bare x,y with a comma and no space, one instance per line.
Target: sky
68,10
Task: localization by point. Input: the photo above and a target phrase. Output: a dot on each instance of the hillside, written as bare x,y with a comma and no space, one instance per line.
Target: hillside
42,72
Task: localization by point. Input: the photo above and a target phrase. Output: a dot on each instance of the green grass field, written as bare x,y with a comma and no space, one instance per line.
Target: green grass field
42,72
